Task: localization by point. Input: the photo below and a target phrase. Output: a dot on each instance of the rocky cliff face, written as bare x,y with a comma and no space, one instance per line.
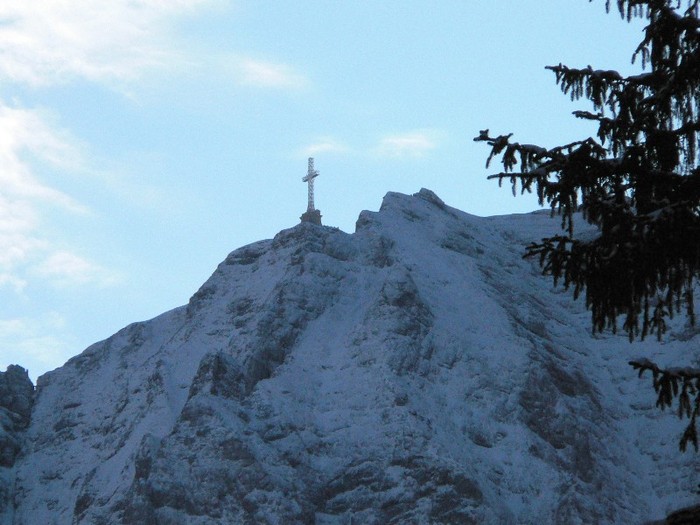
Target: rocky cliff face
416,371
16,399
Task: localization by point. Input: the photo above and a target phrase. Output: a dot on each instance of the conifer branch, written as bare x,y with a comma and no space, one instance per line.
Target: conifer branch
672,383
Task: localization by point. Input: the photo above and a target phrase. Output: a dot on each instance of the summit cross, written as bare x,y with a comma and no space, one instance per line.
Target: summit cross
311,214
310,176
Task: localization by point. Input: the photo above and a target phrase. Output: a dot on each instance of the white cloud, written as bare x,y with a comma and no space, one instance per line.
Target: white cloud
324,145
100,41
30,140
12,281
412,144
17,247
28,137
116,43
63,268
259,73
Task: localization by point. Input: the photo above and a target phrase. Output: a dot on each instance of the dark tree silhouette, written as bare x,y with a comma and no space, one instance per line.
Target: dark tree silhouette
638,181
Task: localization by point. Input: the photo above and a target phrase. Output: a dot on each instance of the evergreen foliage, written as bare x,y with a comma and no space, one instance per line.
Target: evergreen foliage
637,180
680,383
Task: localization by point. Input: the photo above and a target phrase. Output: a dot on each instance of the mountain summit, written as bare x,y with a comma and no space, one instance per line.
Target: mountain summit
416,371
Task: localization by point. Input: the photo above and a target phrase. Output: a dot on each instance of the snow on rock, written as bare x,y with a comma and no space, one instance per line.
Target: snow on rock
416,371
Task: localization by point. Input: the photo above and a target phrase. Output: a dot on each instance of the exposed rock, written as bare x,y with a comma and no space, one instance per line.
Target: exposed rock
17,392
16,399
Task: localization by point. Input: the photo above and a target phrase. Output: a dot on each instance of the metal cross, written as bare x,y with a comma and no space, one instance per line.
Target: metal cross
310,176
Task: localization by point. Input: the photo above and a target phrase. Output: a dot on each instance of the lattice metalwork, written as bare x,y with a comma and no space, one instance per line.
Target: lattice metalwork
310,176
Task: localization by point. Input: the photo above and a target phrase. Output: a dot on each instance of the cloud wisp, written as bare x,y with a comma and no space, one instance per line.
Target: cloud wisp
324,145
27,135
30,140
64,269
263,74
112,41
413,144
409,145
115,43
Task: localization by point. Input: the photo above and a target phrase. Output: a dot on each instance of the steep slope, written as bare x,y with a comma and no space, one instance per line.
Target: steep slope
416,371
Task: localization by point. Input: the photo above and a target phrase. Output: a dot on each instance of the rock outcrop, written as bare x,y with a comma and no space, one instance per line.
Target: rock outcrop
16,399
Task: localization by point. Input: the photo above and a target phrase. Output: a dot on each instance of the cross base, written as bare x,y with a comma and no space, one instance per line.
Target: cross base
313,216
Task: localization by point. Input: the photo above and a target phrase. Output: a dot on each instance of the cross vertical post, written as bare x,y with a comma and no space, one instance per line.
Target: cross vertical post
311,174
311,214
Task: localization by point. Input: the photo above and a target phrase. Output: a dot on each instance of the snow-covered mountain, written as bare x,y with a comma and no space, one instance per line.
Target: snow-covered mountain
416,371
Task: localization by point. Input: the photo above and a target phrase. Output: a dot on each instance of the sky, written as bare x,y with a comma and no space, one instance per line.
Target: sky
141,141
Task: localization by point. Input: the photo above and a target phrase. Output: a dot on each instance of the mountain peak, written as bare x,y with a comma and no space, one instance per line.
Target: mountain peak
417,370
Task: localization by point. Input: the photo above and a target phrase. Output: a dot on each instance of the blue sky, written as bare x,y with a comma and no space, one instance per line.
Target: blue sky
143,140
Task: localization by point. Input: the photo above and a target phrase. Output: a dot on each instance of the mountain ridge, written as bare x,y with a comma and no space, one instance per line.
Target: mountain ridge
417,370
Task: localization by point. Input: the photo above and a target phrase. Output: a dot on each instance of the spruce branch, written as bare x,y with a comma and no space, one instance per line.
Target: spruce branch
672,383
